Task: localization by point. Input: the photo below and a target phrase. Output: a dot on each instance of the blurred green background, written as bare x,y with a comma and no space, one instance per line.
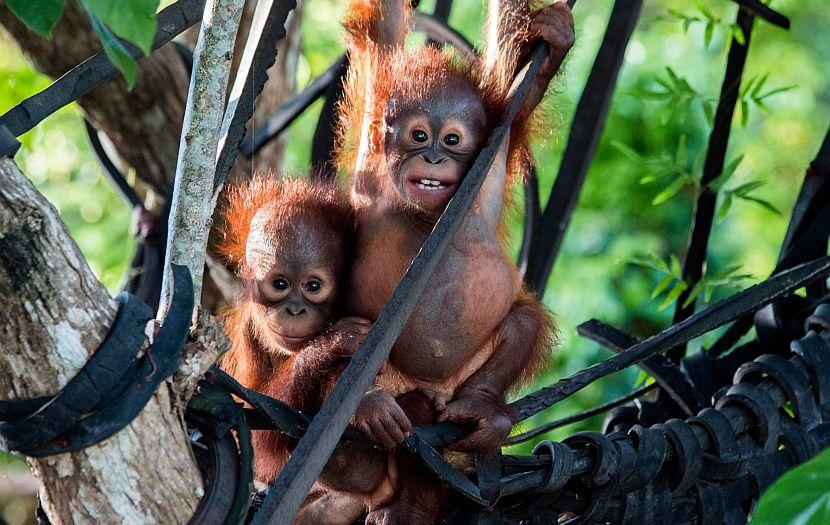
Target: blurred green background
616,219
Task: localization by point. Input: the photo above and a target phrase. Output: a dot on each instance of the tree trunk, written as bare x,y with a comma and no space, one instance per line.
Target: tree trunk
55,314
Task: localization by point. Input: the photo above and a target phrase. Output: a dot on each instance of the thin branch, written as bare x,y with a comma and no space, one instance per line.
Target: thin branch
191,210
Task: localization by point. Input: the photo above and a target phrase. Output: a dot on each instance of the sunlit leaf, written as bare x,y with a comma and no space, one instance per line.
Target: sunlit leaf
674,264
799,497
724,207
669,191
672,296
132,20
662,285
693,294
763,203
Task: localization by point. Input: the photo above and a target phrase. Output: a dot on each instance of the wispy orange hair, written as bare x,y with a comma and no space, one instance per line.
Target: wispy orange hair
291,198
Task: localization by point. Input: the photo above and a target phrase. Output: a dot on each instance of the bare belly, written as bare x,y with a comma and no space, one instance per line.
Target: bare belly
450,333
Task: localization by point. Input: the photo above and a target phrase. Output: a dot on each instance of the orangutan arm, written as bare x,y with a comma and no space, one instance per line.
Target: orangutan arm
521,346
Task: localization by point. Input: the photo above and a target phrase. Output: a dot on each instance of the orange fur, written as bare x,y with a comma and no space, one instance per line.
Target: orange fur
376,72
290,197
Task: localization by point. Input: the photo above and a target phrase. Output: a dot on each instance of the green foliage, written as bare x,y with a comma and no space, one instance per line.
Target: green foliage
751,95
39,16
800,497
710,22
670,172
679,97
132,20
673,284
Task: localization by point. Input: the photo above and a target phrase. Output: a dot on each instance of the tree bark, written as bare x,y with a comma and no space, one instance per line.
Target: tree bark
55,314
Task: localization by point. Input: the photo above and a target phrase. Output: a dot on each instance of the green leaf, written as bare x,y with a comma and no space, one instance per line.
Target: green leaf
40,16
724,207
704,10
708,111
693,294
732,166
745,189
738,34
744,113
669,191
763,203
673,295
681,156
760,84
132,20
627,151
115,51
707,34
675,265
776,91
799,497
662,285
707,296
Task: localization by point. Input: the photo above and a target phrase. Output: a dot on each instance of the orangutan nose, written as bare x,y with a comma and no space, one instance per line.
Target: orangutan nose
433,159
295,309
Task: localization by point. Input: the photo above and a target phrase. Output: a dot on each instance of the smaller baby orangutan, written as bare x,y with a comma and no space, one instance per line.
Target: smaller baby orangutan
289,240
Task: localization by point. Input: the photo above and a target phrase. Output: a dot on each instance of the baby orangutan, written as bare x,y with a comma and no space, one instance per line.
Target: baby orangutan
289,240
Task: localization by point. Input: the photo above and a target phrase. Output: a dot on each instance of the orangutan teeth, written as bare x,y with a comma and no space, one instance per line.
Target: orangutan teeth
430,184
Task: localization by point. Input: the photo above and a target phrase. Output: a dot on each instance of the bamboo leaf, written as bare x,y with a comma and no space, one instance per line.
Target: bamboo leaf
672,296
669,191
662,285
724,207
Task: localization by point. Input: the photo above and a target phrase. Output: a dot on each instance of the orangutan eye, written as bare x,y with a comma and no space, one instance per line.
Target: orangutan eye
452,139
313,286
419,135
281,284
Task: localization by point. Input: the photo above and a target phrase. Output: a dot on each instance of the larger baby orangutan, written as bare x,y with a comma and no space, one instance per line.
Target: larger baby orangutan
422,117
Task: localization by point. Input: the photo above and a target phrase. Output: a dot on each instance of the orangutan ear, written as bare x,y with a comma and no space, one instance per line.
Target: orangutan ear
376,136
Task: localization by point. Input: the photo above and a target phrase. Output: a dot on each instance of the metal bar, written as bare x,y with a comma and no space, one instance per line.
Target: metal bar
314,448
810,197
668,375
532,217
698,324
761,10
440,12
583,139
110,170
267,28
712,169
581,416
95,70
438,31
288,111
324,142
